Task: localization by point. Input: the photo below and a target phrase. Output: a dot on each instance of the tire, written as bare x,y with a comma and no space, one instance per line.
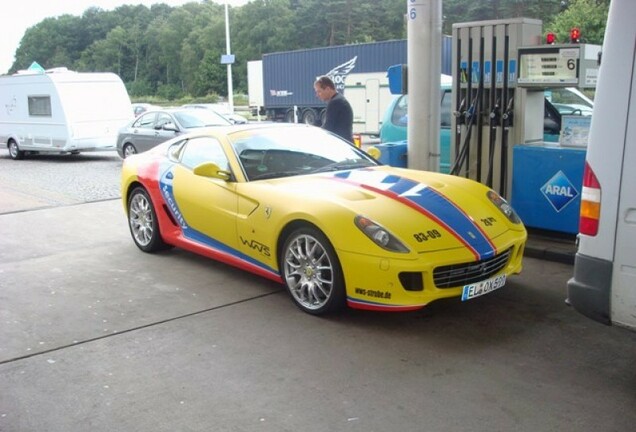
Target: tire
129,150
312,273
143,223
289,116
14,151
310,117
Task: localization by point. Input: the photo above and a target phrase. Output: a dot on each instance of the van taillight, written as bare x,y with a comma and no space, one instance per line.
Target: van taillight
590,203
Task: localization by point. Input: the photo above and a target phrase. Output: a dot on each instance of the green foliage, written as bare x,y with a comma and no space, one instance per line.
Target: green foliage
589,16
174,53
139,88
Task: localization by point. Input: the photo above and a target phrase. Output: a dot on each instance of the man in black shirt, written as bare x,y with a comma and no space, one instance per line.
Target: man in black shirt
339,115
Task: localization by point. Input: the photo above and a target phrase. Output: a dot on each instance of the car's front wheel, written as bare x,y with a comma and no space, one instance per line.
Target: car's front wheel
143,223
312,273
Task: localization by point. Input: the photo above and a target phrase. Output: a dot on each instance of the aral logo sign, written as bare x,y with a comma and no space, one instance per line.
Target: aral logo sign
339,73
559,191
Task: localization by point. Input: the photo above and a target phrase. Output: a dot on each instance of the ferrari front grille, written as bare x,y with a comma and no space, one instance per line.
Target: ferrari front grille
463,274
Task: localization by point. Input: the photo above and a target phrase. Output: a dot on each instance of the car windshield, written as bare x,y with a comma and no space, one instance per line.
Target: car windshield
196,118
569,100
281,151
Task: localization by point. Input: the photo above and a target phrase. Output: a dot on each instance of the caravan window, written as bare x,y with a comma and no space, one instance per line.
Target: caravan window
40,106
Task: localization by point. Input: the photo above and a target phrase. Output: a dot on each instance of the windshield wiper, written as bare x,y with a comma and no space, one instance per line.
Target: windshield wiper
273,174
344,165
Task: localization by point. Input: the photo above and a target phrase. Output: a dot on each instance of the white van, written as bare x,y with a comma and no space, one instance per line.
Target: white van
604,283
61,111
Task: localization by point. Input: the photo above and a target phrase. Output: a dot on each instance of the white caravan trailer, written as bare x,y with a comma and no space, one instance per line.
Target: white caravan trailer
604,283
61,111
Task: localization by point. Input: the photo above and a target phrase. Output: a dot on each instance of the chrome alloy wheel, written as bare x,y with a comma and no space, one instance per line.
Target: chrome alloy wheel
140,216
308,272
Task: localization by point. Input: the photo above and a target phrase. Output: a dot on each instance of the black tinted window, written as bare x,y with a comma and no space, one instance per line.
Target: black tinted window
445,110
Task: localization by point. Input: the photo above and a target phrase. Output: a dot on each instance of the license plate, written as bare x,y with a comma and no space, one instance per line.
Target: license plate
484,287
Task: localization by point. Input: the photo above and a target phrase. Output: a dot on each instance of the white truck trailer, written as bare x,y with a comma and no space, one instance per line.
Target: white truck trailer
61,111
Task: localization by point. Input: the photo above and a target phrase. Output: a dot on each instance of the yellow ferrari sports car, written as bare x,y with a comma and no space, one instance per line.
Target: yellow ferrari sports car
299,205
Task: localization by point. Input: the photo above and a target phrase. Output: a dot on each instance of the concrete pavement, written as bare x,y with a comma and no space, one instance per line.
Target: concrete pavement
95,335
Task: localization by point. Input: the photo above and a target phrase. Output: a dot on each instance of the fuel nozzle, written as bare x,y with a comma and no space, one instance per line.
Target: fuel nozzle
460,113
495,115
508,115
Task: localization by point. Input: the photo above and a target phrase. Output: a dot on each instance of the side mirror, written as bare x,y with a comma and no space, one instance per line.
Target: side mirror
170,127
212,170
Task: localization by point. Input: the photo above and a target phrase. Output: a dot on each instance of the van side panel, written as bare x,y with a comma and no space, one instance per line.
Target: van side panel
623,297
609,123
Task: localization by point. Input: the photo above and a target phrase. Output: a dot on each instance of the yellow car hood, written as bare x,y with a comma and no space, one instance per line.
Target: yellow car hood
426,211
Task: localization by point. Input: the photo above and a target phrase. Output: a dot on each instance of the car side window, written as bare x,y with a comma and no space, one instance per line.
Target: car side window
400,113
146,121
163,119
174,151
445,109
202,150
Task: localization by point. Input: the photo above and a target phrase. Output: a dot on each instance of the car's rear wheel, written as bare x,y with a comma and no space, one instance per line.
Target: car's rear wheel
312,273
143,223
14,150
129,150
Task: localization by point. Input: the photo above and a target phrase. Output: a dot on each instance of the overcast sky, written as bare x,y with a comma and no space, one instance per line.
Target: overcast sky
18,16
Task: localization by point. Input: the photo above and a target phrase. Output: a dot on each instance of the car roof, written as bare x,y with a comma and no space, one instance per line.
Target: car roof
226,130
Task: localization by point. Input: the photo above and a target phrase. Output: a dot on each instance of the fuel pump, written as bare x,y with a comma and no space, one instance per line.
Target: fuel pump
548,173
484,102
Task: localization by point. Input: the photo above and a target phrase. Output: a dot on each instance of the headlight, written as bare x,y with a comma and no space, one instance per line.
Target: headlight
379,235
503,206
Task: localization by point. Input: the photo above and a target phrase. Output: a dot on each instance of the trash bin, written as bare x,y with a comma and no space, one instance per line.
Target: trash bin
393,153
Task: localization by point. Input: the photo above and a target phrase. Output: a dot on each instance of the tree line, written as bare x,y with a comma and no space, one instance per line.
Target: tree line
172,52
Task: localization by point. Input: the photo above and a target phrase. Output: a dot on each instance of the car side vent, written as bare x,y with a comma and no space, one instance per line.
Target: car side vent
411,281
463,274
165,209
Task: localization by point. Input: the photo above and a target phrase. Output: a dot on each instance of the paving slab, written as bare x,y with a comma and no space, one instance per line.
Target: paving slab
96,335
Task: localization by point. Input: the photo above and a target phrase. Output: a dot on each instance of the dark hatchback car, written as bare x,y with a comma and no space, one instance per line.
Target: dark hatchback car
154,127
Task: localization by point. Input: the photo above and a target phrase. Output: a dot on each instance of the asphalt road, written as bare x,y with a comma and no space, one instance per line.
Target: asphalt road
95,335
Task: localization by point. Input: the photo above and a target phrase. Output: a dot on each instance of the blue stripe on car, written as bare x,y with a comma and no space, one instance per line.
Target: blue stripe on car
430,201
